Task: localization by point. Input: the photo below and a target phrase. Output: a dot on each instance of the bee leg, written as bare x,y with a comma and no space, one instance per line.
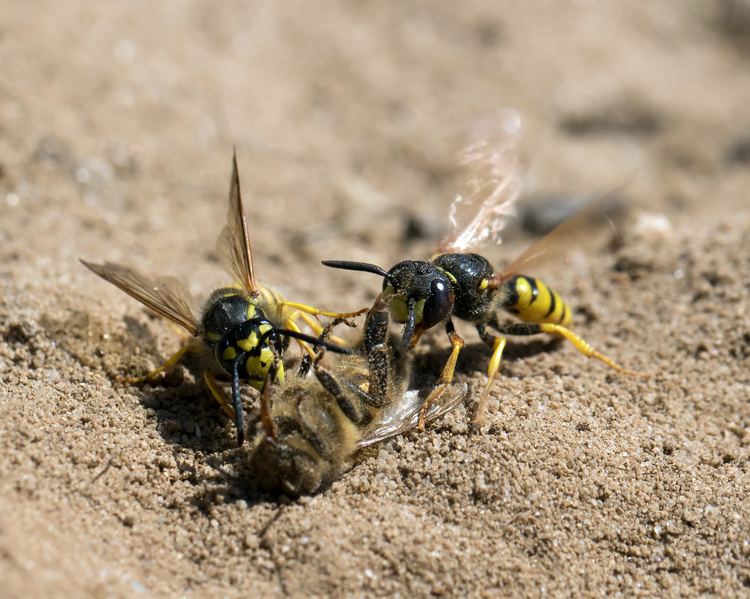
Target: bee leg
218,393
354,410
307,361
579,343
498,345
317,328
446,376
171,362
292,326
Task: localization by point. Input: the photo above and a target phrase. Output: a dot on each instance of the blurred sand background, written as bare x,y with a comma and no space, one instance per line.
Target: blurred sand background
117,122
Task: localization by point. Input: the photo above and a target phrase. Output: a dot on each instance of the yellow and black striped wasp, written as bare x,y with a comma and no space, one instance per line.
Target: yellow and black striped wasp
455,282
244,328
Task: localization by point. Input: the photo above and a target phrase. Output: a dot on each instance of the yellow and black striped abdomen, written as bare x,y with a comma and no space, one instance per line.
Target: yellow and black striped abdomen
533,301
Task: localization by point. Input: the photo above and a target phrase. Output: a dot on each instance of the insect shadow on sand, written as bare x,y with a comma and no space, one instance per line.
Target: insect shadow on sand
185,413
474,358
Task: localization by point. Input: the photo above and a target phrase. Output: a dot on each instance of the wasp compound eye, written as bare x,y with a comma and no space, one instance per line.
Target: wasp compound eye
439,303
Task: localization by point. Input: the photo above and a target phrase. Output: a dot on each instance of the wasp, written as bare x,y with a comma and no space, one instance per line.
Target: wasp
312,427
458,283
244,327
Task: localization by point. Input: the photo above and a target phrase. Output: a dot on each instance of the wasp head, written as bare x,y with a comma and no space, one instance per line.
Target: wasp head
421,295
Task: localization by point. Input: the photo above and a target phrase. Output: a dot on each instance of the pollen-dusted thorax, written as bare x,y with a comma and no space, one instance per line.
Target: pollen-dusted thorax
235,327
471,275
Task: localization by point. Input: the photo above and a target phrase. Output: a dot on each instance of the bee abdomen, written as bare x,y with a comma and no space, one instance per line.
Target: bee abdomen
533,301
315,442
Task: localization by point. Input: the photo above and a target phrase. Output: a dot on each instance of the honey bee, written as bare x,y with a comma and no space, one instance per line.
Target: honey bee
244,327
456,282
312,427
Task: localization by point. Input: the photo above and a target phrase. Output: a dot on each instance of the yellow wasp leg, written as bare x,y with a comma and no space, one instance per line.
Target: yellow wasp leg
149,376
317,312
446,376
218,394
493,367
583,346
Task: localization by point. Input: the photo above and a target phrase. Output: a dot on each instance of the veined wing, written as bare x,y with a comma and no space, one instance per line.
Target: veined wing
165,296
402,416
233,246
491,179
602,208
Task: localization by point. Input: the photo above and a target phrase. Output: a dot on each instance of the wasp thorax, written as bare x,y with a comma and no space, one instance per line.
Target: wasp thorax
423,284
471,274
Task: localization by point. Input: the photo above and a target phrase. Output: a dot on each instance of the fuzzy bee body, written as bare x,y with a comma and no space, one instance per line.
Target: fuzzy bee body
313,427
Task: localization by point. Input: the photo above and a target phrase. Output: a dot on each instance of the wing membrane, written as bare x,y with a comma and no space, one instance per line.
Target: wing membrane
605,207
233,246
402,416
491,180
165,296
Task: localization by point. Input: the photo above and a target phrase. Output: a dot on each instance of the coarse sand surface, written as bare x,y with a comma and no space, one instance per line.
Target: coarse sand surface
117,123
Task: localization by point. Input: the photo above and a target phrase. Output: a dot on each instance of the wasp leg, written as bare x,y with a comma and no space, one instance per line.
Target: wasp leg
218,393
555,329
446,376
172,361
498,345
317,328
381,361
318,312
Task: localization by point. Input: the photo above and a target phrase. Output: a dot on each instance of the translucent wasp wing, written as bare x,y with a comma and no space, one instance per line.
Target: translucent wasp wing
242,342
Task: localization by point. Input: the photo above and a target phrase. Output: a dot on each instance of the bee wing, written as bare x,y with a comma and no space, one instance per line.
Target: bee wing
233,246
491,178
402,416
165,296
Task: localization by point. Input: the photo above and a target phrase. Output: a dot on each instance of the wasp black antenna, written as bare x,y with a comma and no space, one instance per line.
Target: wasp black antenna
358,266
239,413
314,341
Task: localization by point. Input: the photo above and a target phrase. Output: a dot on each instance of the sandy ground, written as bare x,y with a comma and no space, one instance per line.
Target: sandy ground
117,122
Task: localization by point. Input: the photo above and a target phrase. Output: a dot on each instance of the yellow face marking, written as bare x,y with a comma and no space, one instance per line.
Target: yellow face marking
264,328
249,342
260,365
229,354
483,285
